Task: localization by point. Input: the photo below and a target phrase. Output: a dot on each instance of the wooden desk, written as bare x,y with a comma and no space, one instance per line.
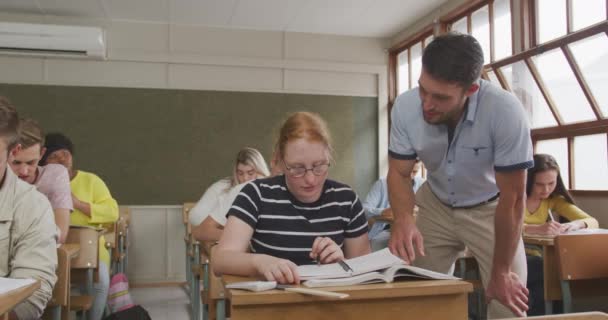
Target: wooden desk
571,316
416,299
12,298
552,286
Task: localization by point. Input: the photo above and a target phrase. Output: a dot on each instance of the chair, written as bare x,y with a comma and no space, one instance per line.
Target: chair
124,215
59,305
213,295
115,242
192,254
583,265
84,266
468,269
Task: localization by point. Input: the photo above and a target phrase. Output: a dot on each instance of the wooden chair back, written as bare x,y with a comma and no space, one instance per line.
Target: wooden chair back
61,291
186,216
88,238
125,213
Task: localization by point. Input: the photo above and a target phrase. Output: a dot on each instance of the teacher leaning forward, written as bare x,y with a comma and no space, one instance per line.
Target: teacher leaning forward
474,139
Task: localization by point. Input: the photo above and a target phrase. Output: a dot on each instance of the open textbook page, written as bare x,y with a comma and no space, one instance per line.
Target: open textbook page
387,275
375,261
10,284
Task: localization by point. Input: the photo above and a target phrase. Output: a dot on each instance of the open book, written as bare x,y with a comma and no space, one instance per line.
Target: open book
10,284
379,266
580,231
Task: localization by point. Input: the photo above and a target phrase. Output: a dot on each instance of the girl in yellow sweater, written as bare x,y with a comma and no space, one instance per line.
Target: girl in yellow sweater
547,201
548,195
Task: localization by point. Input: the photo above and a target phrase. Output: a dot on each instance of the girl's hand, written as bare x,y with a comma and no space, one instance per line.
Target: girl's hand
275,269
573,226
550,228
325,250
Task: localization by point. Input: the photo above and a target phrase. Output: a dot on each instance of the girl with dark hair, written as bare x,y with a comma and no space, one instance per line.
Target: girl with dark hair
547,195
547,201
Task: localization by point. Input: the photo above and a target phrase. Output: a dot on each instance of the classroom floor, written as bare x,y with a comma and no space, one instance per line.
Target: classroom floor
166,303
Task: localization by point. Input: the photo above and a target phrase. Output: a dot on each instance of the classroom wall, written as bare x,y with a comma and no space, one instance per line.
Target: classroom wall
151,56
595,206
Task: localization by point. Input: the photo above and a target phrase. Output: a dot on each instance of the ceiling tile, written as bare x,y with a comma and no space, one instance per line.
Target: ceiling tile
329,17
19,6
266,14
215,13
137,10
391,17
73,8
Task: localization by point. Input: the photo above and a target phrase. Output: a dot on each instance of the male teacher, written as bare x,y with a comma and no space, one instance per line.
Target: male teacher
474,139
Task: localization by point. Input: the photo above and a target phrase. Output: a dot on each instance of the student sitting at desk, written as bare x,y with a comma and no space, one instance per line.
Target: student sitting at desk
377,205
297,218
51,180
547,201
28,236
93,206
209,214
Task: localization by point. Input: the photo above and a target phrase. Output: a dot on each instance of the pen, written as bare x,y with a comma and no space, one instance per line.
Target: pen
345,266
551,215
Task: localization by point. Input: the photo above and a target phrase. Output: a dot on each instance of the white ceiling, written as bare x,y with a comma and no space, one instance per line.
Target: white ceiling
368,18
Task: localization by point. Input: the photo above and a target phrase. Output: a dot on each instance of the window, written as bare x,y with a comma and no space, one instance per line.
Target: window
408,63
591,162
591,54
563,87
558,148
491,26
551,19
557,66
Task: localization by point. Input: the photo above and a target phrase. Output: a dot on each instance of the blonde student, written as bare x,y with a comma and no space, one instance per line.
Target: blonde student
209,214
93,205
547,201
51,180
300,217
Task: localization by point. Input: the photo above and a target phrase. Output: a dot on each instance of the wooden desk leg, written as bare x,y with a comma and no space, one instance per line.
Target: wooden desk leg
551,280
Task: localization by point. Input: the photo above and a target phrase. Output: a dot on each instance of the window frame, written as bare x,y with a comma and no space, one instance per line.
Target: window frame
525,21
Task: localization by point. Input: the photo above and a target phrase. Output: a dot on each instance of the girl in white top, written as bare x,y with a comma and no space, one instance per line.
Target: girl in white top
208,216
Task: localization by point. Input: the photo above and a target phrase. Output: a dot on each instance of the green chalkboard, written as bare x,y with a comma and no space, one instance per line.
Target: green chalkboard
164,147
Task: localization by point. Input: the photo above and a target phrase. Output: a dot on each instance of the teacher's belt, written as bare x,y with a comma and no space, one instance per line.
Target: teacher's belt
492,199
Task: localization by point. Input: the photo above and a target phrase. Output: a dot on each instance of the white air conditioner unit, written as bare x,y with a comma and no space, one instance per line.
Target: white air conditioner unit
52,40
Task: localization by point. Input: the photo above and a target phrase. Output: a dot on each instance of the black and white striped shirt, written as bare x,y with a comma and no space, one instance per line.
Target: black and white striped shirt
286,228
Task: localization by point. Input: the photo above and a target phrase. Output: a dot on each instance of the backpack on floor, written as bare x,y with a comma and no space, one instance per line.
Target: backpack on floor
134,313
118,294
120,303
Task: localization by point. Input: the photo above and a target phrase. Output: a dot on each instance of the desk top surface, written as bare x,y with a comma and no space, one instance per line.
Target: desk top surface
539,240
572,316
12,298
72,249
401,288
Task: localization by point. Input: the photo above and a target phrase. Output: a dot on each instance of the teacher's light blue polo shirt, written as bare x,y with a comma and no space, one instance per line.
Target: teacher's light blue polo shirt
493,135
